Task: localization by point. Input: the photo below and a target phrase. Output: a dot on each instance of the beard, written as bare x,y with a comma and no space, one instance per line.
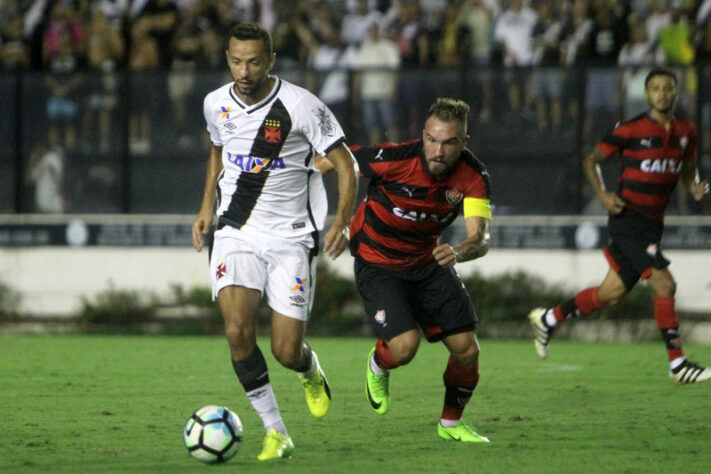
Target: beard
436,175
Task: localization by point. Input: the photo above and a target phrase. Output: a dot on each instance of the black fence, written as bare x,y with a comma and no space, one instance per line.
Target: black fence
125,143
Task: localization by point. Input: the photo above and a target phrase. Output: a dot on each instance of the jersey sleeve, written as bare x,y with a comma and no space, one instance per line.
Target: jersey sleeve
318,124
207,108
363,156
477,202
613,141
689,153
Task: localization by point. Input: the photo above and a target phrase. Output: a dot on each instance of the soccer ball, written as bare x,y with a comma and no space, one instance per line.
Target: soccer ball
213,434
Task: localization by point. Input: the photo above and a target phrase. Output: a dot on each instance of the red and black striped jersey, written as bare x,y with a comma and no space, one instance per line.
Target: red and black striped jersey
405,209
651,162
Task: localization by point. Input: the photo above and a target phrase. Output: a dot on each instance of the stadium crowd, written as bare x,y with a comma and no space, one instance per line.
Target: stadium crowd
149,34
66,36
522,58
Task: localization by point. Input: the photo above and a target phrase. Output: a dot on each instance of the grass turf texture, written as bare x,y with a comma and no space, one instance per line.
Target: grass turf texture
118,404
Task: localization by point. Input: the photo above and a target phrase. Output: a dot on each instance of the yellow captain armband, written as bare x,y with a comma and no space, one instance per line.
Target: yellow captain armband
474,207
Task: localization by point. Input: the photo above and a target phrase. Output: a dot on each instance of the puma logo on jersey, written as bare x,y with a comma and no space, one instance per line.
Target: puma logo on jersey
253,164
664,165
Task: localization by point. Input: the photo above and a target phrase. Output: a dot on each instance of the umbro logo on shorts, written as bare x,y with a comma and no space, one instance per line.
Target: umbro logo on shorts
298,300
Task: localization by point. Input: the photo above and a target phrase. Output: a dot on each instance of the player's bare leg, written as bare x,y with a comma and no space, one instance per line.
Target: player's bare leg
460,379
239,306
290,349
385,356
681,370
544,320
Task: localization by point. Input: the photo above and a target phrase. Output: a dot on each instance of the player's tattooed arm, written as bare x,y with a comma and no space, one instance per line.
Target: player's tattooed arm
475,246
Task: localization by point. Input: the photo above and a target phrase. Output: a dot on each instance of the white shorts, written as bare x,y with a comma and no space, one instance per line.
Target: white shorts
284,270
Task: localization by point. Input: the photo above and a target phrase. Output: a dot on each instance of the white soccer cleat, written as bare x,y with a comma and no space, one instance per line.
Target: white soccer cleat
541,332
690,372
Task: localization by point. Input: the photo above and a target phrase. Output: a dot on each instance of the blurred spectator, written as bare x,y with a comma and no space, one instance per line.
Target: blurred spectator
413,46
114,11
63,85
601,85
409,35
703,13
636,58
64,26
514,32
181,78
433,14
476,20
144,55
105,52
14,49
45,173
703,61
355,24
291,37
332,63
158,19
450,51
376,82
659,16
546,79
675,40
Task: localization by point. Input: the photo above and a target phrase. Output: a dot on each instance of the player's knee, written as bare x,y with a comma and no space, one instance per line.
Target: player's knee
404,349
288,355
238,335
666,288
612,296
467,357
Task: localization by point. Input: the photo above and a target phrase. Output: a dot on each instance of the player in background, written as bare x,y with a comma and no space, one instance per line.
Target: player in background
271,204
404,275
657,148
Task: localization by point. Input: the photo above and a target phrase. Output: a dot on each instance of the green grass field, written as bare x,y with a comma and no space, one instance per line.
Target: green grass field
117,404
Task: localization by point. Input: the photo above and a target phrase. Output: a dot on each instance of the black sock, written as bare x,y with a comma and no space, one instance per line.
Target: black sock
252,371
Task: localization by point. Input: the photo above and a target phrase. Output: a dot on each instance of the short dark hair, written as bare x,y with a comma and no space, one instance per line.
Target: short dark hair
252,31
447,109
659,71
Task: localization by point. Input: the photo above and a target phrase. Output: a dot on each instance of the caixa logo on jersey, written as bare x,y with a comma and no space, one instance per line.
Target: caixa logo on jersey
421,216
255,164
664,165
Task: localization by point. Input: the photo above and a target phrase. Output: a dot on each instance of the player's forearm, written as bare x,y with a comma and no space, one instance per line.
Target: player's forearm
346,169
472,249
591,168
478,240
690,176
347,185
214,167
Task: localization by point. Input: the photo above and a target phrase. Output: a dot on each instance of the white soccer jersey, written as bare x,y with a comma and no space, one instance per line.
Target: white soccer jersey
269,183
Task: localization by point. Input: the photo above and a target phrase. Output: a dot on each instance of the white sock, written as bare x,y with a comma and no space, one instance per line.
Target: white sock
550,319
376,368
676,362
448,423
264,403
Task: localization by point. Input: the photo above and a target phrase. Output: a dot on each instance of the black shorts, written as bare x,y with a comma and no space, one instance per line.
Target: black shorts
430,297
635,246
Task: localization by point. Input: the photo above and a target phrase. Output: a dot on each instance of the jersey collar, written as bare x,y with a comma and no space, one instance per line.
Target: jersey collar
261,103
